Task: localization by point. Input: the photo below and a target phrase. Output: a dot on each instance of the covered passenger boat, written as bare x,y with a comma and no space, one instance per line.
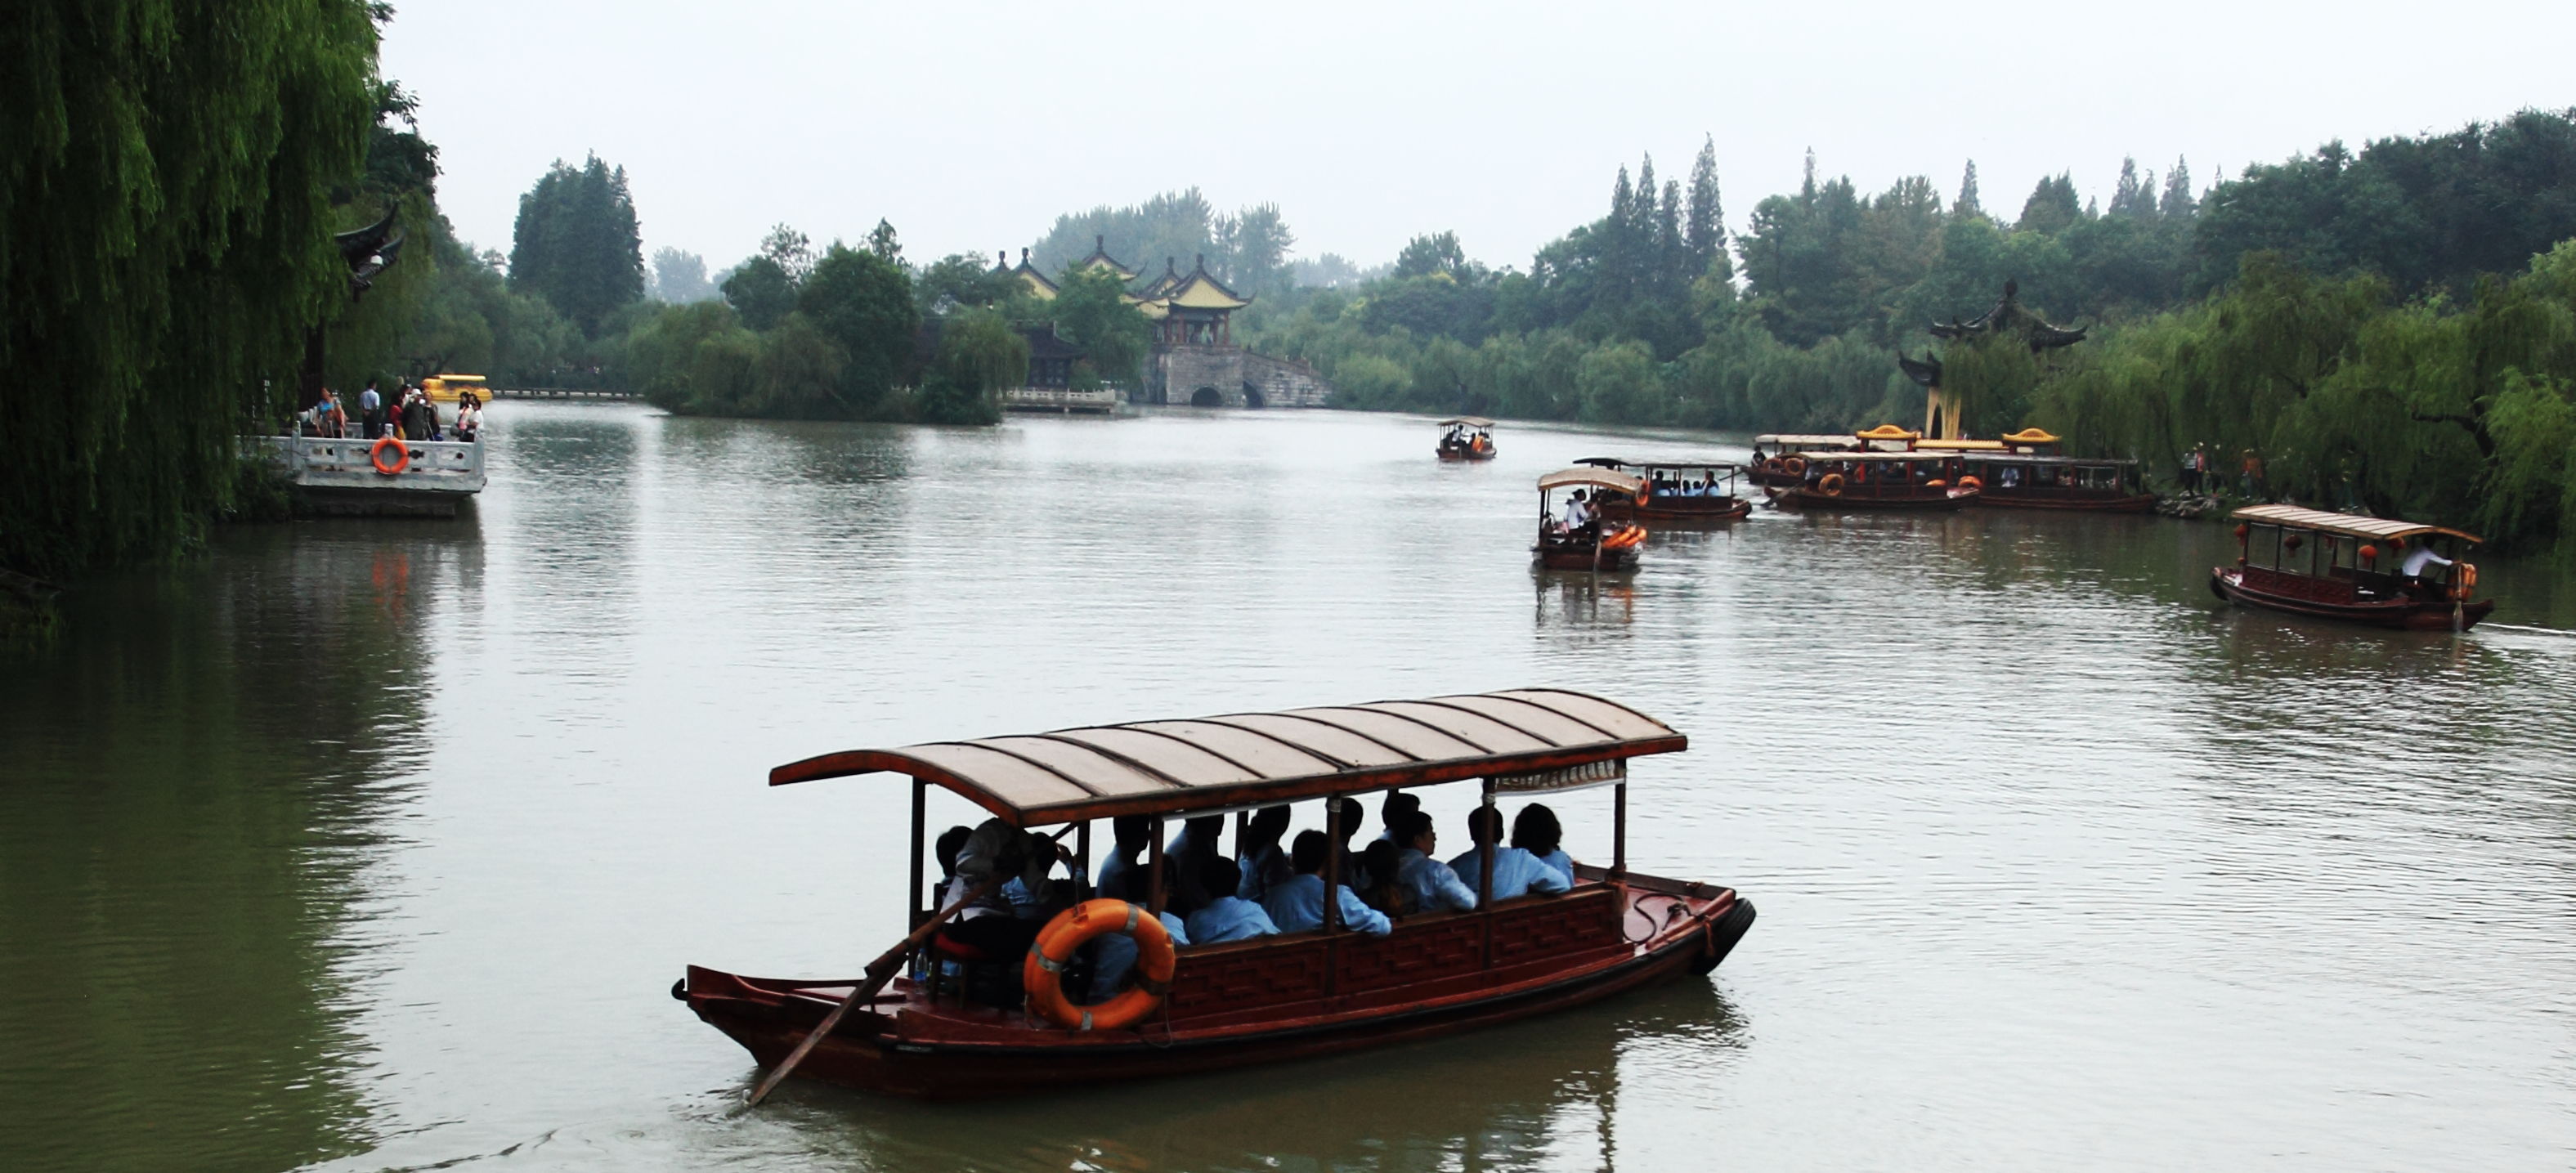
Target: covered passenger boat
1683,491
1268,998
1771,453
1875,481
2015,480
1466,437
2374,570
1598,543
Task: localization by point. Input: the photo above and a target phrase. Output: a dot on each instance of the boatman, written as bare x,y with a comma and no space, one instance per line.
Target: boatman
1577,514
2421,559
1517,872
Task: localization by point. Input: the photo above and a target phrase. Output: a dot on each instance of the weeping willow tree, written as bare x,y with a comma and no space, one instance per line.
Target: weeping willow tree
2459,411
166,209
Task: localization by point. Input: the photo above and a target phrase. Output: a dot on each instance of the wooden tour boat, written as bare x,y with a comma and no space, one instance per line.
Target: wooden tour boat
1603,544
2013,480
1268,998
2345,566
1466,437
1676,491
1873,480
1771,451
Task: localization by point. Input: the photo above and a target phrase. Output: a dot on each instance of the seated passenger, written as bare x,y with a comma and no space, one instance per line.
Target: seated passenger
992,928
1228,917
1296,905
1536,831
1351,816
1382,892
1130,835
1262,860
1186,861
1434,886
1397,805
1517,872
1112,956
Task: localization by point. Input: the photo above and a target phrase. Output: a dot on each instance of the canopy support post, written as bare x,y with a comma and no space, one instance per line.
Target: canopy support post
1619,831
920,815
1332,894
1155,893
1486,816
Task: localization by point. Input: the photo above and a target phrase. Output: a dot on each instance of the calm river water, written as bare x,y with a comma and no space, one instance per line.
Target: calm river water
368,845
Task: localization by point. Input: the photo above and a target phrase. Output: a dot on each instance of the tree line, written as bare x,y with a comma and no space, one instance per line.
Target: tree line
1654,314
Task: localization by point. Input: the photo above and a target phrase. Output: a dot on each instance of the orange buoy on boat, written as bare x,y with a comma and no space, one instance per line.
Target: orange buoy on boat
1043,972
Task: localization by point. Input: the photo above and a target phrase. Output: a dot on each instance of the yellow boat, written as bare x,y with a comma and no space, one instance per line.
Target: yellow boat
444,388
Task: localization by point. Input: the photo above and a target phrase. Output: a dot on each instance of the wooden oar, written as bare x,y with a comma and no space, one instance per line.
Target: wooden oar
879,972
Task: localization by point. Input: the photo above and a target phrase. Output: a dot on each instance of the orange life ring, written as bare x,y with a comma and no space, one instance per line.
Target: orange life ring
1971,482
402,454
1936,483
1795,466
1831,485
1043,973
2464,579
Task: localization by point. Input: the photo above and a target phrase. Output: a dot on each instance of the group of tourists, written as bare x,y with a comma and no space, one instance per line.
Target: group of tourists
2199,474
1271,885
407,413
1686,487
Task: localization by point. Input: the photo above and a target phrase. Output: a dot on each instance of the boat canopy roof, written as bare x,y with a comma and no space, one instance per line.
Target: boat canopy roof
1880,457
1797,441
1605,461
1537,738
1473,421
1602,477
1674,465
2032,458
1963,445
2350,525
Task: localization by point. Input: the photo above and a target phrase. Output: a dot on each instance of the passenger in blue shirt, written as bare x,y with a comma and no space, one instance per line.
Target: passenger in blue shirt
1114,955
1398,804
1260,858
1434,885
1228,917
1296,905
1517,872
1535,831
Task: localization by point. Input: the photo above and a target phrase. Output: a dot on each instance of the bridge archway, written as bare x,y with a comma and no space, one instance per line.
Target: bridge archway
1252,397
1207,397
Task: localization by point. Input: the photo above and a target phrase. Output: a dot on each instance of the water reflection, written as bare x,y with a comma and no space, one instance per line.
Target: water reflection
197,785
1532,1096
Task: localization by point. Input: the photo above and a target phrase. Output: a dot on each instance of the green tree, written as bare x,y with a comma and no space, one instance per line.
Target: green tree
965,279
1966,204
165,220
862,301
979,357
1092,312
2052,206
762,291
577,243
1426,255
1704,226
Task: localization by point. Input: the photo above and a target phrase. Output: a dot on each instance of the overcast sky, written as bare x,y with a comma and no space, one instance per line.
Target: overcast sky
971,125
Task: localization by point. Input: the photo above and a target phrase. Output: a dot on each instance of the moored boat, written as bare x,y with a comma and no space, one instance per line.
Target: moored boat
1584,539
1263,999
1772,452
2013,480
1875,481
1466,437
2374,570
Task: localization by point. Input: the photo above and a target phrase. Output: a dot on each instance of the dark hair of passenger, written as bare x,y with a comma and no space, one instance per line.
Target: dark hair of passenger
1484,825
1412,828
1379,861
1131,830
1397,805
1268,824
1307,853
1220,876
951,841
1536,830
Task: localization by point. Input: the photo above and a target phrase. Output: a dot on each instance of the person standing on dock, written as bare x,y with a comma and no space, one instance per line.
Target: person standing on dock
371,412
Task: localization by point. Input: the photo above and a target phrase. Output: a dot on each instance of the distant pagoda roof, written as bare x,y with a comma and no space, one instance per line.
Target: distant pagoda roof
2007,317
1100,259
1038,283
1044,344
1202,291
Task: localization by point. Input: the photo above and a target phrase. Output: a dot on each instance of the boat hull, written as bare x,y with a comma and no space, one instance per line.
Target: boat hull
903,1054
2131,503
1466,455
2408,614
1802,497
1619,561
1681,510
